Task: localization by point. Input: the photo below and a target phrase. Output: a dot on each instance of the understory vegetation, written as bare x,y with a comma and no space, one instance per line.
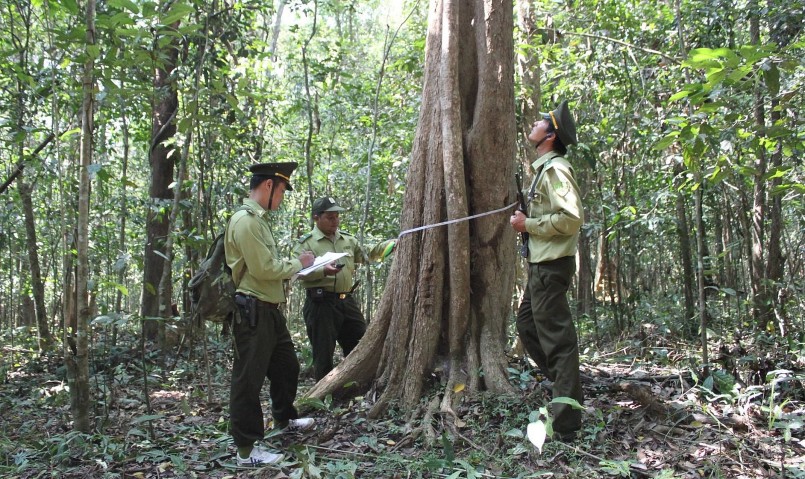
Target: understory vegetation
647,414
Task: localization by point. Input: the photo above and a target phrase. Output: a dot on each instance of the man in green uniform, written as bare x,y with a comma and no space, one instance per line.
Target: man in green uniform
331,313
263,346
555,215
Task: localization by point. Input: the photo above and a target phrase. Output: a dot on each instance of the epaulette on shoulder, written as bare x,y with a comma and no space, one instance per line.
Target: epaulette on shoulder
304,238
246,208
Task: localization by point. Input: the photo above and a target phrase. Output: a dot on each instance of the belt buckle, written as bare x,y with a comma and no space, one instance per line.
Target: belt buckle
342,295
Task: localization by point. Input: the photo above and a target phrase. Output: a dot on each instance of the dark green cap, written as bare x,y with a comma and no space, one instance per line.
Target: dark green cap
563,123
325,204
279,170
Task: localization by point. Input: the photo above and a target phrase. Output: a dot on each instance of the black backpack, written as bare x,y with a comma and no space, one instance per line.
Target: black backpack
212,291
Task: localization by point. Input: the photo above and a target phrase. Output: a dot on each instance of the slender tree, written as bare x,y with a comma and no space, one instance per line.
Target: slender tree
76,353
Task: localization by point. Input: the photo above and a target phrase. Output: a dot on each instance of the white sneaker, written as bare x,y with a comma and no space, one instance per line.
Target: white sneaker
300,424
259,457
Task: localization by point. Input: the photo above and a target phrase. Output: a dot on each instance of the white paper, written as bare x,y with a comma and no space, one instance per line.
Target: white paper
320,261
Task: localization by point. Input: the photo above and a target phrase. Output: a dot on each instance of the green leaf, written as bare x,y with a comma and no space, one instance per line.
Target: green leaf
127,4
177,13
566,400
69,133
679,95
70,5
666,141
94,51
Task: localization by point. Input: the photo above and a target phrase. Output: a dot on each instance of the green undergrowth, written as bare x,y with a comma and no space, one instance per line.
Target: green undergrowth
184,434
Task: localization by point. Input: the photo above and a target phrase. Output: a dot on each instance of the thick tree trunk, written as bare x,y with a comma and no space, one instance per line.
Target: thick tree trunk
448,298
161,158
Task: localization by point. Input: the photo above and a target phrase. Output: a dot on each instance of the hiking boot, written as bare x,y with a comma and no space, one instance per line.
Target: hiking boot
259,457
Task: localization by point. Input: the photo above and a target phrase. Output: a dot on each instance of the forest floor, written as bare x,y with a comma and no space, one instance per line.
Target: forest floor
646,415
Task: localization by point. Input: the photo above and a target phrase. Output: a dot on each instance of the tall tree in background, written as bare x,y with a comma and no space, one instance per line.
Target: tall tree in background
448,297
161,159
77,346
20,26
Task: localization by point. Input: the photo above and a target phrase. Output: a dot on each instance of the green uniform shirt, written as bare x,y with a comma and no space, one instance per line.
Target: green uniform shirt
343,242
251,252
555,212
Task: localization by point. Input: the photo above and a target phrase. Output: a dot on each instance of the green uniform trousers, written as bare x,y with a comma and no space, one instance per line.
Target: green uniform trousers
265,351
330,319
546,329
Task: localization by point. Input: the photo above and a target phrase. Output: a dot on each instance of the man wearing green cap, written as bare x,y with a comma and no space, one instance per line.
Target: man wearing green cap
555,215
331,313
263,346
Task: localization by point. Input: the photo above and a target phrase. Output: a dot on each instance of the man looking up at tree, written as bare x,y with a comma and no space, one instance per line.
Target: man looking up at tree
555,215
263,346
331,313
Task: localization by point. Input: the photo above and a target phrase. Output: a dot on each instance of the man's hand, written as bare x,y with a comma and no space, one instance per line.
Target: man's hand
307,258
517,221
332,269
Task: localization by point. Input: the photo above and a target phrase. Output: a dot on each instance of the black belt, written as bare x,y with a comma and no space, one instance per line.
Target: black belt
260,301
267,304
319,292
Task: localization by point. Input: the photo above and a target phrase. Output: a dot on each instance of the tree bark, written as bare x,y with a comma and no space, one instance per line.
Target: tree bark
166,103
700,259
685,253
761,297
76,354
448,298
45,338
775,261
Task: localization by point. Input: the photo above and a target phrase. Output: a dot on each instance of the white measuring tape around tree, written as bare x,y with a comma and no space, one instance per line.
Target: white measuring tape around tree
457,220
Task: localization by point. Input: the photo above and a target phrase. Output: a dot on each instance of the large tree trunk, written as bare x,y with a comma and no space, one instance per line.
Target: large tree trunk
166,103
448,298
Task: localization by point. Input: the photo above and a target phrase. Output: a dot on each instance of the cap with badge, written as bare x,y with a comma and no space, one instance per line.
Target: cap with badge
279,170
325,204
563,123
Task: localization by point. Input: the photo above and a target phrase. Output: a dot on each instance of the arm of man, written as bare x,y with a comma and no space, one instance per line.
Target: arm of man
381,250
303,244
260,252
